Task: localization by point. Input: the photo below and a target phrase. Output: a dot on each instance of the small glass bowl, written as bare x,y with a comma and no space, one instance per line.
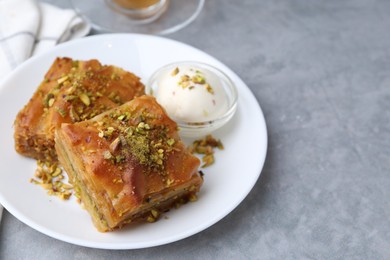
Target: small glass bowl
202,128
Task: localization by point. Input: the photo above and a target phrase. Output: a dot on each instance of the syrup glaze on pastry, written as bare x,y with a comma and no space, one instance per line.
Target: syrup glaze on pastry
128,164
71,91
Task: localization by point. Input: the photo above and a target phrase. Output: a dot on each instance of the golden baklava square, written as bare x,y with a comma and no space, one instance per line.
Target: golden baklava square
128,164
71,91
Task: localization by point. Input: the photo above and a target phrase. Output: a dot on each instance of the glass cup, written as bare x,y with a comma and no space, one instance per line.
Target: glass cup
158,17
141,11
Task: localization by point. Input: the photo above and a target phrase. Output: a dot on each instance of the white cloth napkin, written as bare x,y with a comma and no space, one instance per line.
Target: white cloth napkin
28,27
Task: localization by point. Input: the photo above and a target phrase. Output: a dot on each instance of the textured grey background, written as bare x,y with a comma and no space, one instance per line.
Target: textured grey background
321,73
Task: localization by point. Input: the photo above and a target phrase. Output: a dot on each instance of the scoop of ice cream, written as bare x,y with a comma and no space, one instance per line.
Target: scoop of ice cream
192,94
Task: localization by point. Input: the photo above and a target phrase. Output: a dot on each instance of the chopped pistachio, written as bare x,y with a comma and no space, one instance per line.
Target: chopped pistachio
70,90
184,84
109,131
46,186
61,111
129,131
175,72
193,198
208,160
70,97
206,147
185,78
73,114
201,149
119,158
121,117
65,195
49,176
155,213
62,80
85,99
107,155
55,91
151,219
198,79
56,172
66,186
209,89
170,141
169,182
51,102
115,144
220,145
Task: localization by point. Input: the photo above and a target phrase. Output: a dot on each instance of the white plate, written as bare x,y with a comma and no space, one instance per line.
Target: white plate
226,184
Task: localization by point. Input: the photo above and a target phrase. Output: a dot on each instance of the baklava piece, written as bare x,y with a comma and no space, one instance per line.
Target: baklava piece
128,164
71,91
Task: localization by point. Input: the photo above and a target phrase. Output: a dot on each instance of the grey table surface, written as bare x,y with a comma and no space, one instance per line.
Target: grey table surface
321,72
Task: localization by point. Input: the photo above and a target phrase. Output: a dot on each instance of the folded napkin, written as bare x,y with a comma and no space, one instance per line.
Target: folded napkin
28,27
